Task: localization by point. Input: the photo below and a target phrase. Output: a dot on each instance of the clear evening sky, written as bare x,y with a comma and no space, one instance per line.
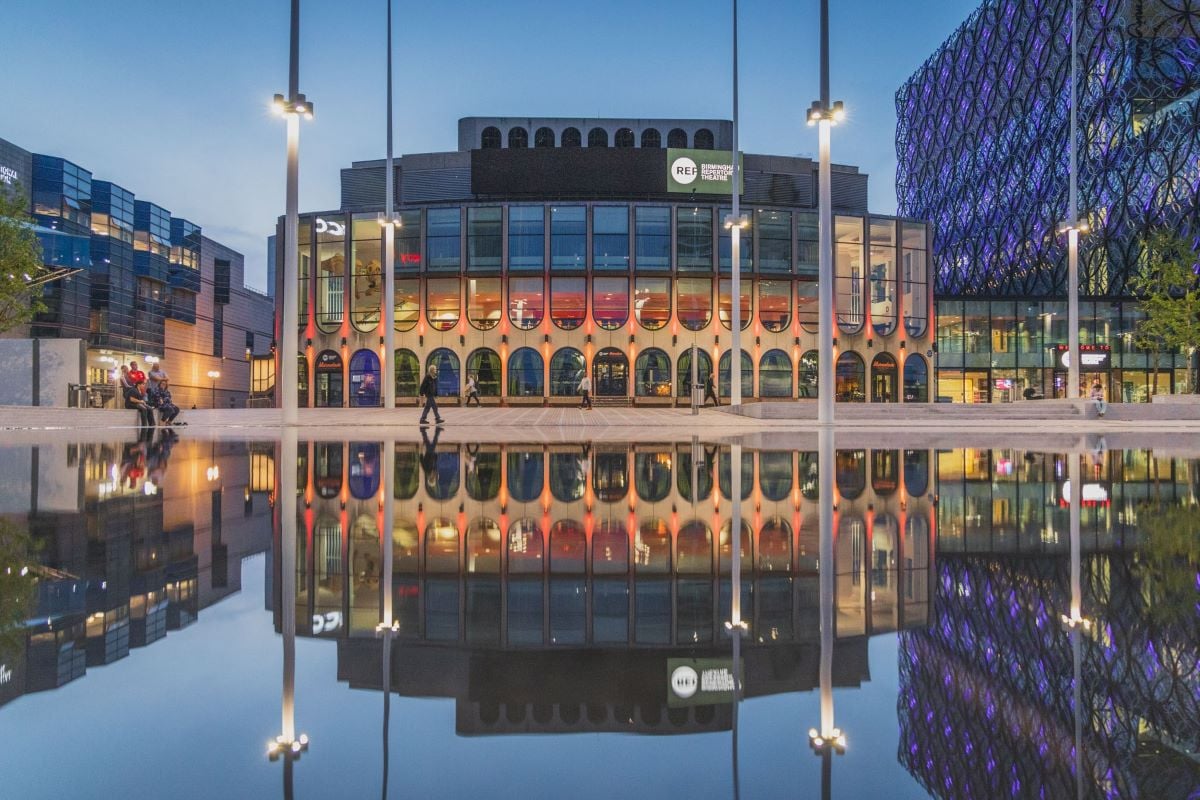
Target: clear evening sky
170,99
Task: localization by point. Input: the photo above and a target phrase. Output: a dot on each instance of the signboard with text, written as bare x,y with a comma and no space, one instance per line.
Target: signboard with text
702,171
699,681
1092,357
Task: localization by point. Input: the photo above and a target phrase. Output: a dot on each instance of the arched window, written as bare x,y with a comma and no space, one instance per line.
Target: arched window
441,546
302,381
683,370
364,470
408,373
652,475
745,549
366,279
652,302
442,303
405,547
525,546
848,264
526,302
623,138
490,138
725,303
704,139
883,276
851,475
484,365
694,302
652,548
446,360
694,546
703,477
883,379
723,379
610,302
331,273
568,476
328,464
567,367
525,373
483,303
568,547
775,374
775,546
610,549
571,137
807,379
597,137
914,278
568,302
725,474
652,373
610,478
775,474
484,541
525,476
518,138
610,373
483,482
916,472
775,304
851,378
543,137
651,138
364,379
329,389
677,137
408,304
916,379
442,476
407,475
885,472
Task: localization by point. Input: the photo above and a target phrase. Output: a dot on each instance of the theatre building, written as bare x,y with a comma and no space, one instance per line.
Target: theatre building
544,249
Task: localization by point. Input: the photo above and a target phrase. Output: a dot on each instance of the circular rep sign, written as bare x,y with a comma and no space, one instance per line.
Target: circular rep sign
684,170
684,682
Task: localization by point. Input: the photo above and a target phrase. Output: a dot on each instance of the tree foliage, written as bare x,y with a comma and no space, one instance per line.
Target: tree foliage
20,262
16,584
1169,296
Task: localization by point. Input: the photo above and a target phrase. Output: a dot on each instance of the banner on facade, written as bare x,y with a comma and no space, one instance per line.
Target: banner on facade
699,681
702,171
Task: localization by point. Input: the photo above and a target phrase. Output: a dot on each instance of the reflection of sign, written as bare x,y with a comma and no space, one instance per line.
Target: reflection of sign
699,681
1093,494
703,171
5,674
330,227
1092,357
8,176
327,623
410,258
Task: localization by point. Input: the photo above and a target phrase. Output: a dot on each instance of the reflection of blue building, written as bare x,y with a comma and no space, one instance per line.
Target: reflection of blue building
982,144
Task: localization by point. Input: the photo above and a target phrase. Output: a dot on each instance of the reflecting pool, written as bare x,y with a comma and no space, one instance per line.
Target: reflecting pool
328,618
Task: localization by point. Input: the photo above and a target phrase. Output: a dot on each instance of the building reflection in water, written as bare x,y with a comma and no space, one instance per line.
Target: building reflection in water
126,542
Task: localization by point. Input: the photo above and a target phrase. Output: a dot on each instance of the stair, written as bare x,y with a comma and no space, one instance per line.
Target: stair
612,402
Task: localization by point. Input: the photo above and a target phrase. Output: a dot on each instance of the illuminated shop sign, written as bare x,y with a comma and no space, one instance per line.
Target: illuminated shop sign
326,623
331,227
8,175
1092,357
699,681
702,171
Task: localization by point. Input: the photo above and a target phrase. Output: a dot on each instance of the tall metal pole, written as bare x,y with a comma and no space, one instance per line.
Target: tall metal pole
825,372
736,627
1073,232
290,346
389,245
825,473
287,549
385,582
735,237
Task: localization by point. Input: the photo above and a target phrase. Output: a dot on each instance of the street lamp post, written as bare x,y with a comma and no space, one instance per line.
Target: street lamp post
212,377
735,224
1073,227
825,115
291,107
389,244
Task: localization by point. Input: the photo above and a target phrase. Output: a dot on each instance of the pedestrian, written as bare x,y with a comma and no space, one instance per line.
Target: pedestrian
157,374
1098,397
472,390
160,398
585,389
135,398
429,392
135,374
710,391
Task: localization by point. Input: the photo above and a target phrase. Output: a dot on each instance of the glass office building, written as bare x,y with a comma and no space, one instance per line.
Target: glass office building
527,259
982,145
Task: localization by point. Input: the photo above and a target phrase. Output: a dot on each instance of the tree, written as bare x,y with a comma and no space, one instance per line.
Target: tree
20,262
17,580
1170,299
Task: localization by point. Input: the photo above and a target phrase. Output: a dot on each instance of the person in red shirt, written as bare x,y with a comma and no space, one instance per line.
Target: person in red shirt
136,376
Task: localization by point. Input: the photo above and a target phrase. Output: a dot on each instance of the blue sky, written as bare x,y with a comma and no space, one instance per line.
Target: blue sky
170,99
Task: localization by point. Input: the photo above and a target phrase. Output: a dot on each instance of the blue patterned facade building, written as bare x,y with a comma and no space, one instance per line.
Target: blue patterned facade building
982,147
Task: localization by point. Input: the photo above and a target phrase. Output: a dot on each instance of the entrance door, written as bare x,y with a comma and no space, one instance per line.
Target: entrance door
610,373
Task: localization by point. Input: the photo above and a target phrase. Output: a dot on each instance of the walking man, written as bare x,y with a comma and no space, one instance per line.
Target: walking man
429,392
585,389
710,390
472,390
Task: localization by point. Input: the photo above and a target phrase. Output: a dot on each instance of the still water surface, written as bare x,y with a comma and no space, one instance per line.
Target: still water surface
559,621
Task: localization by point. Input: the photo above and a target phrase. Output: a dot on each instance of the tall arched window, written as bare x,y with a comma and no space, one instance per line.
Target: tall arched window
652,302
366,279
442,303
525,373
723,379
568,547
408,373
848,257
483,546
408,304
916,472
610,373
775,374
775,546
610,302
525,475
329,389
364,379
775,304
652,475
914,278
745,548
651,138
683,370
775,474
543,137
883,276
518,138
568,302
597,137
568,476
484,365
483,303
883,379
652,373
745,306
571,137
567,367
624,138
695,549
525,547
652,548
446,360
331,273
694,302
677,138
807,378
610,550
850,378
916,379
703,477
704,139
364,480
489,139
441,546
526,302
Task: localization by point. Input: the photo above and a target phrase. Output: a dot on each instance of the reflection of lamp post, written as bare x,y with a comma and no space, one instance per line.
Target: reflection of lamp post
388,627
736,625
1075,623
212,376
